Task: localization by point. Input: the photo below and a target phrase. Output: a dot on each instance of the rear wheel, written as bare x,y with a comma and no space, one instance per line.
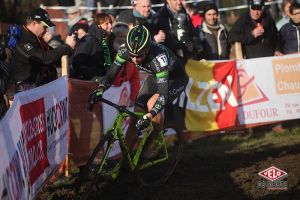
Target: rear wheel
91,178
157,174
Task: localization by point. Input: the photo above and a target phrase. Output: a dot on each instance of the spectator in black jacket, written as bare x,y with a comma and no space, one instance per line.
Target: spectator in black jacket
290,32
177,25
256,31
87,62
101,29
31,60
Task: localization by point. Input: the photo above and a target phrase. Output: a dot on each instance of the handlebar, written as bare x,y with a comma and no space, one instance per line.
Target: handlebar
121,109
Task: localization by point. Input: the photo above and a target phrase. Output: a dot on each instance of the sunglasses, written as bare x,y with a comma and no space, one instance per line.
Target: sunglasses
137,56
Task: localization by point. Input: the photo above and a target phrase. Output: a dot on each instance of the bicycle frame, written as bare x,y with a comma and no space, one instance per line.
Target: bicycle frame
116,133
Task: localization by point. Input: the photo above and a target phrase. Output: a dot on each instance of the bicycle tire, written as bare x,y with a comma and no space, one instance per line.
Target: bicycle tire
159,173
89,178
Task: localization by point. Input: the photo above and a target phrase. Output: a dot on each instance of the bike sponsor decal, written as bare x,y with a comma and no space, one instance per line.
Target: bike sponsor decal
161,80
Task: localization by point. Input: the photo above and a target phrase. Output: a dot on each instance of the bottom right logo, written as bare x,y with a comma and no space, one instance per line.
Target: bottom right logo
274,179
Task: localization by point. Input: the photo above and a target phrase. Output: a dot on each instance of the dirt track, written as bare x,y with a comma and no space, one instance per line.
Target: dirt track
213,168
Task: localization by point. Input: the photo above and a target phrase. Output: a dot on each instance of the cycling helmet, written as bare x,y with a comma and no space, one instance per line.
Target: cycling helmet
138,40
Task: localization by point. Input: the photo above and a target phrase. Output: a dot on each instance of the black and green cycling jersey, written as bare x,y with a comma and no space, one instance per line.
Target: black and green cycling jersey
167,75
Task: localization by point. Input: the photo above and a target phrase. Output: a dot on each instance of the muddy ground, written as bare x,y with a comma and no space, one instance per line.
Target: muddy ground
215,167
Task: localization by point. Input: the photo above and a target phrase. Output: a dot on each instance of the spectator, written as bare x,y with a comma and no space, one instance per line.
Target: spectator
177,25
194,13
5,75
75,18
31,60
286,4
256,31
87,62
144,15
289,33
101,29
213,35
126,17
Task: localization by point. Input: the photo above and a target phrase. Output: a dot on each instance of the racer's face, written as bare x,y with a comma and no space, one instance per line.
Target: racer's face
138,59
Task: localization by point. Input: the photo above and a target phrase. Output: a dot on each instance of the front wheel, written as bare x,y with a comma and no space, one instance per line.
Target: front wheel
156,174
90,179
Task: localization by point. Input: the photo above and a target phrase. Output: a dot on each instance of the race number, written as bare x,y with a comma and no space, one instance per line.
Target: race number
162,59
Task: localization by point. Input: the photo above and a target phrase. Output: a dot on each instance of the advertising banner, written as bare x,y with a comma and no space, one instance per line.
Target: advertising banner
269,89
33,139
212,94
237,93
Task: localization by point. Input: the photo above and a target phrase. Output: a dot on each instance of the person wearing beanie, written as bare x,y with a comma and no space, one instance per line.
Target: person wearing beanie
213,35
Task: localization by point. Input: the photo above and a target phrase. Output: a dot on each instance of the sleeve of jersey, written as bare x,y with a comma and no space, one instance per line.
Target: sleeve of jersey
114,69
163,89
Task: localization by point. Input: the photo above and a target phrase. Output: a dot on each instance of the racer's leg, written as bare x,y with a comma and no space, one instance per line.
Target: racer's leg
131,136
157,121
146,92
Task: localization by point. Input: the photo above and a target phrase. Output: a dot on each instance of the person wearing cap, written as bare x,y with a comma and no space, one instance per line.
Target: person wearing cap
256,31
74,19
213,35
31,60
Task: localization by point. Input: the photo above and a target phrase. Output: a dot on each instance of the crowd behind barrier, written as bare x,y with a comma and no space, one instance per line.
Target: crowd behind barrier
226,88
227,94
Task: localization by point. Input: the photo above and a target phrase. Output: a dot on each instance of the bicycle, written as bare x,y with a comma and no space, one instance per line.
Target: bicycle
152,172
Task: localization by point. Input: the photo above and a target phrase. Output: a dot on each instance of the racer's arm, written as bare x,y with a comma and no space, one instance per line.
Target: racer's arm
162,80
120,59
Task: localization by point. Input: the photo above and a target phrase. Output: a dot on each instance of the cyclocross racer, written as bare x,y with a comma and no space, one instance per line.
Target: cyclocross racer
167,79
